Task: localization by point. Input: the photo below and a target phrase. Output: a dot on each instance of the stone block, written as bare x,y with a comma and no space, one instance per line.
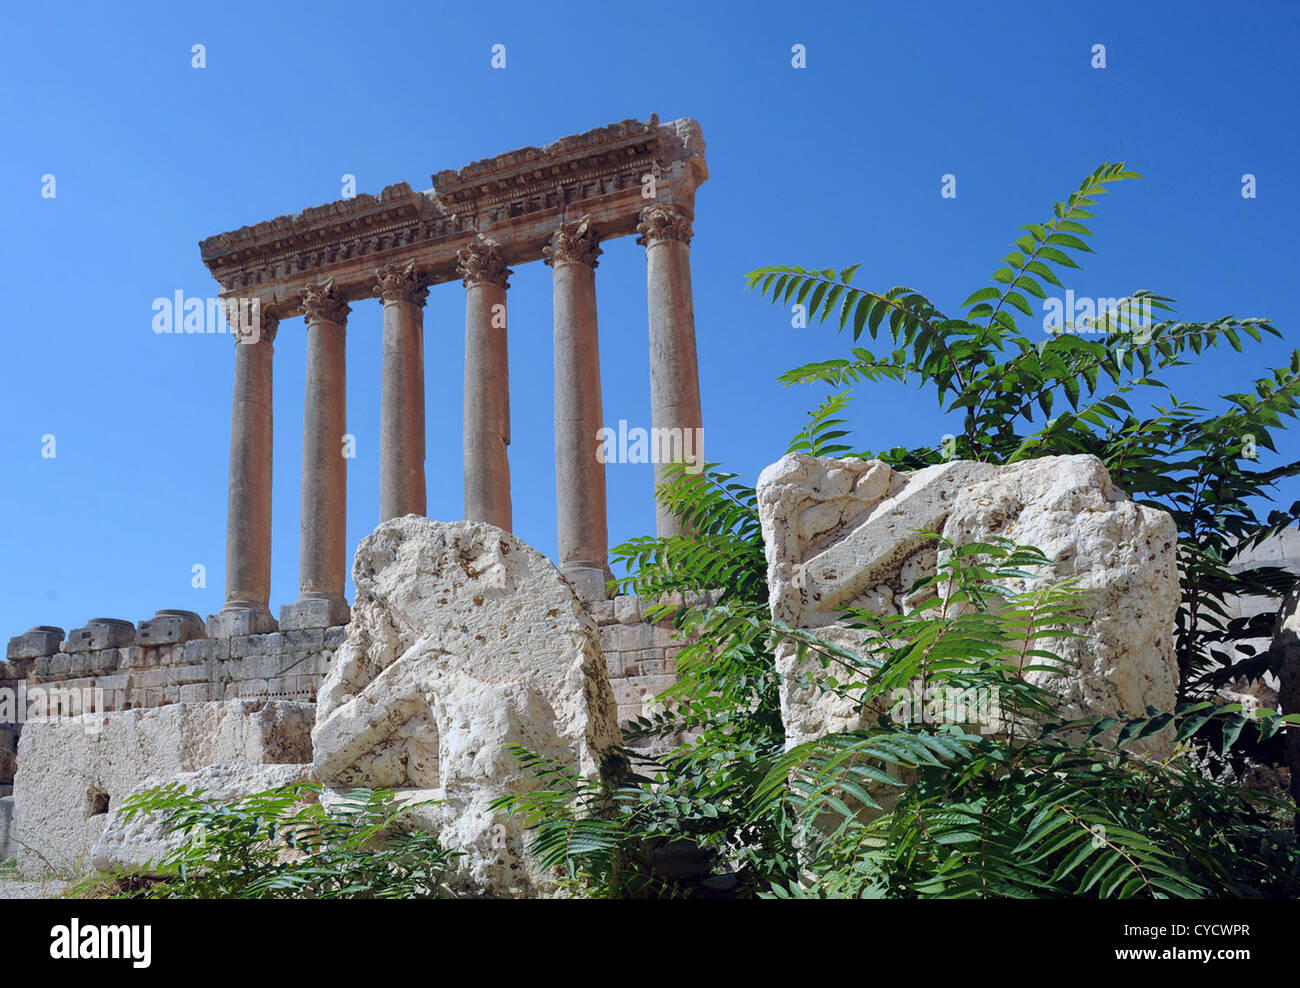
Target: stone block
169,626
232,621
139,844
206,650
614,663
626,609
100,633
41,640
302,641
183,675
73,770
602,611
313,612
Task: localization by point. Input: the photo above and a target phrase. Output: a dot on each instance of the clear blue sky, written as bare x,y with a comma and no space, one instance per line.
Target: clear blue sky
835,164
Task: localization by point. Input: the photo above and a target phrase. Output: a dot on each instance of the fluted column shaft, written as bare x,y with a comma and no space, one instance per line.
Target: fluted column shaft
248,513
579,472
323,531
674,367
401,414
487,386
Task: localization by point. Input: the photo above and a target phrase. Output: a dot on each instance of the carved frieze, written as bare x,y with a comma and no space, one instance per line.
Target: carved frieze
520,193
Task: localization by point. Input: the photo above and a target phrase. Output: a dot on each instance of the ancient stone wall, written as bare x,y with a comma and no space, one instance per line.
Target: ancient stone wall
136,672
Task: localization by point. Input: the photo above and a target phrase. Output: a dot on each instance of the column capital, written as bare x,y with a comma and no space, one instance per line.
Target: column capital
660,222
250,321
323,302
400,283
573,243
480,263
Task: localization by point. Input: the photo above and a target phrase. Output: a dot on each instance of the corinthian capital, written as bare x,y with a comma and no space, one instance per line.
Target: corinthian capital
250,321
324,303
480,263
400,283
573,244
660,222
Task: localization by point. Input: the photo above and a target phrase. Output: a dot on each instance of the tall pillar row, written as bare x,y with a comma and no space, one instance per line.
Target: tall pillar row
664,230
579,472
674,368
323,550
487,385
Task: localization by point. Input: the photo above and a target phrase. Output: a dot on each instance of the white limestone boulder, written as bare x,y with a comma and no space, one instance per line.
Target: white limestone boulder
846,533
463,640
73,771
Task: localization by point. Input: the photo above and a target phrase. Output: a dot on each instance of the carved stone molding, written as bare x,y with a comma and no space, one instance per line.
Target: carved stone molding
573,244
324,303
480,263
400,283
513,198
660,222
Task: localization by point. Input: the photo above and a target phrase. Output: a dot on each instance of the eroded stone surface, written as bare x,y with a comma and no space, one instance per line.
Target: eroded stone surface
44,639
101,633
846,533
141,843
169,626
73,771
463,640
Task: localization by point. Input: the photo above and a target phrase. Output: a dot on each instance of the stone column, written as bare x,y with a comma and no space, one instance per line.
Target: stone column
323,550
487,384
248,513
676,424
401,415
579,472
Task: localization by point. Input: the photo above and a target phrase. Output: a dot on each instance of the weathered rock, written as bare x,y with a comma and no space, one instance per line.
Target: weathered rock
463,640
140,844
170,626
72,771
100,633
847,533
32,644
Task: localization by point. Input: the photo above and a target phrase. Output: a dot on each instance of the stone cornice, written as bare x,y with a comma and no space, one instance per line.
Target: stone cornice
517,199
573,244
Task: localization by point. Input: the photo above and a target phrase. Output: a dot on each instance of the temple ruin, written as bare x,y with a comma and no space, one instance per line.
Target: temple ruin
555,204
